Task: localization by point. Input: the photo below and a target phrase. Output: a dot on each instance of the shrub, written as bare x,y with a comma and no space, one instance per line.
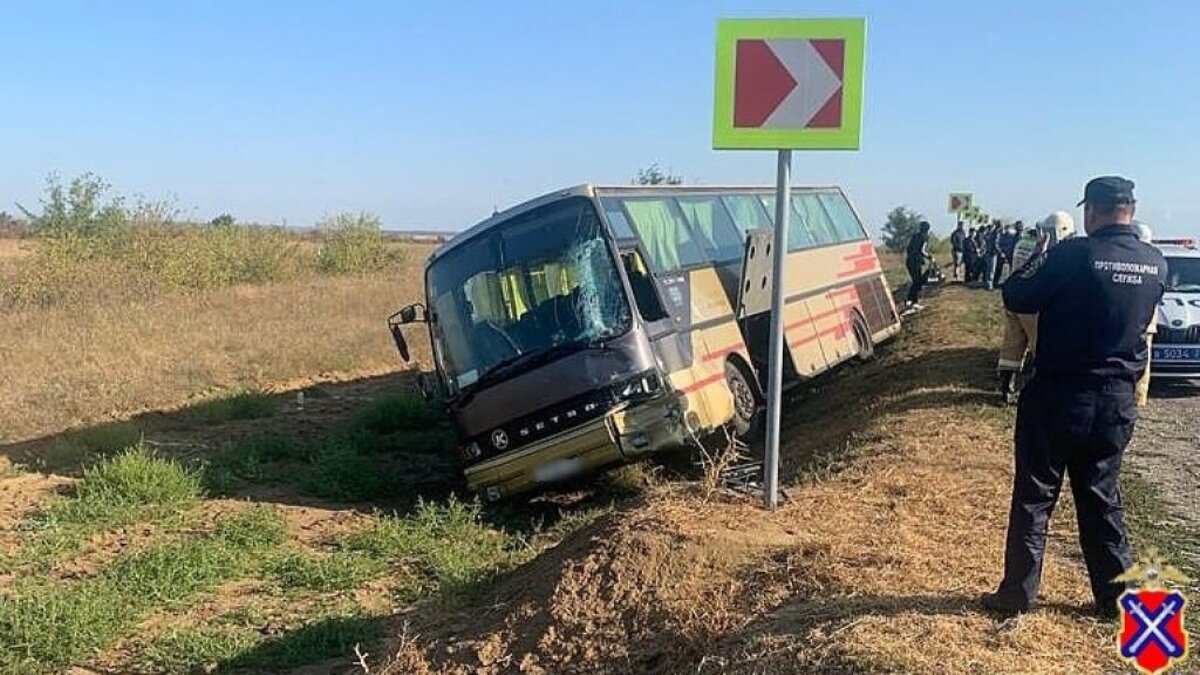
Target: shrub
352,243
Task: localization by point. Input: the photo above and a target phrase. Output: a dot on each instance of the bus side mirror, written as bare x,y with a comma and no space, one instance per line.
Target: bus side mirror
398,338
414,313
409,314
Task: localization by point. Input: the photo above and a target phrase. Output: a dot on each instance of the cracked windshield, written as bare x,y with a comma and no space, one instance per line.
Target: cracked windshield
543,281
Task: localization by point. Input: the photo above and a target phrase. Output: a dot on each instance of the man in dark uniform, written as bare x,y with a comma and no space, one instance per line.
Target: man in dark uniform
915,256
1094,297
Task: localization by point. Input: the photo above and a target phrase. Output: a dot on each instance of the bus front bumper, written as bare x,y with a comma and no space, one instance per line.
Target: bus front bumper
620,436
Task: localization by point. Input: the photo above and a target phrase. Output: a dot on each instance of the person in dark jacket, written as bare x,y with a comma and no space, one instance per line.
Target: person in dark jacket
958,240
971,256
991,255
1094,297
915,257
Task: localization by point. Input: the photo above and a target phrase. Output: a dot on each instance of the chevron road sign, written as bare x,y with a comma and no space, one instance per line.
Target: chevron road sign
789,83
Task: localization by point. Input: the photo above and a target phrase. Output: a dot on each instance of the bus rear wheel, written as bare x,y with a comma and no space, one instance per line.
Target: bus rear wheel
862,335
747,408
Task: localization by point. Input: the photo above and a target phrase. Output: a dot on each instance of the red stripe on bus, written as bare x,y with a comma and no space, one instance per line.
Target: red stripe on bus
859,267
839,330
700,384
822,315
722,352
846,290
864,251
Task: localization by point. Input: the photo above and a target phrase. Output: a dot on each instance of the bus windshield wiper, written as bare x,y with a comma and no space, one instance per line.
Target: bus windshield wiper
521,363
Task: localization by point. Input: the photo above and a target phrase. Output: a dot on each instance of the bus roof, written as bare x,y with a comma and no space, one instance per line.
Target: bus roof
590,190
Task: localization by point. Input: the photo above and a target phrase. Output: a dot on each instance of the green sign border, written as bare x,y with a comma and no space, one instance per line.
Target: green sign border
729,31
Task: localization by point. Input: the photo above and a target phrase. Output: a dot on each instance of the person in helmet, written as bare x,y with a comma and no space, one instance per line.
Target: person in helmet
1020,330
1143,384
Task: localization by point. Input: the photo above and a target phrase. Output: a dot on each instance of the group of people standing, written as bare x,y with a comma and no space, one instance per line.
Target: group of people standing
982,254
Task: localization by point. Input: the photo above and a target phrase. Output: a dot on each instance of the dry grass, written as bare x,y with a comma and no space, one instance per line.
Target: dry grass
72,366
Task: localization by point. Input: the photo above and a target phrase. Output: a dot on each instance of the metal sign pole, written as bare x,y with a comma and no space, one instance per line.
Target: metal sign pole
783,202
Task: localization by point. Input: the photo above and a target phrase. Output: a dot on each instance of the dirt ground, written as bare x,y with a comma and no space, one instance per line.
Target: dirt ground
1166,448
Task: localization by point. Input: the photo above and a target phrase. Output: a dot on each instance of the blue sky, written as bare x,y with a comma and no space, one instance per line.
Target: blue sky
429,114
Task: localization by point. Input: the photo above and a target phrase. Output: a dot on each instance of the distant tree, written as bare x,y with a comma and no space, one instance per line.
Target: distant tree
656,175
223,220
902,223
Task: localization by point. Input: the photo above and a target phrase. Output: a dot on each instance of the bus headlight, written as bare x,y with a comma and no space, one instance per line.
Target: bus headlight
642,386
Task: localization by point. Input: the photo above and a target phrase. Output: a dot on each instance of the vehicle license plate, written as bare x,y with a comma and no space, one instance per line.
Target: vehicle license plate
558,470
1176,354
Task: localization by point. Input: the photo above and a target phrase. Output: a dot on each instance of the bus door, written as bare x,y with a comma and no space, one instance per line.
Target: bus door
754,311
654,304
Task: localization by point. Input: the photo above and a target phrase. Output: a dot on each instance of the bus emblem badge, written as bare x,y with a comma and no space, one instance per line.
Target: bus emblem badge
499,439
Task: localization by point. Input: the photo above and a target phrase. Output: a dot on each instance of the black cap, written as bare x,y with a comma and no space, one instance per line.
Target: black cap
1108,190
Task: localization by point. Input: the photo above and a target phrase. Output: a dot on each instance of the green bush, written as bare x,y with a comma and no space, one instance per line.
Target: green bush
352,243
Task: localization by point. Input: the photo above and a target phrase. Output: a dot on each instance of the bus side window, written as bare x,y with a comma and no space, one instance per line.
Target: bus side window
644,293
843,217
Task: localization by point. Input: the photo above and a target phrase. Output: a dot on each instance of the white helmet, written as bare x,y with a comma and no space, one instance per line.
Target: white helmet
1143,231
1058,226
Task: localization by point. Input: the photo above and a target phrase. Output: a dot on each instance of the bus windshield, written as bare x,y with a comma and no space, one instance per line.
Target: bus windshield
543,281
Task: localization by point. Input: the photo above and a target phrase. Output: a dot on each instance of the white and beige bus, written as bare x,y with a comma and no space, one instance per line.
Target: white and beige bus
595,324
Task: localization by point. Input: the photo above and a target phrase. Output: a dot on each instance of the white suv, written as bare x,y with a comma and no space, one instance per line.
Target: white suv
1176,346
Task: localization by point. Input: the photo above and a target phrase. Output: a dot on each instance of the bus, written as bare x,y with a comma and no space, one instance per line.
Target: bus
593,325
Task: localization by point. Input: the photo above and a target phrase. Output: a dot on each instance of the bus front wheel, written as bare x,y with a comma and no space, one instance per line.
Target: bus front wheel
747,403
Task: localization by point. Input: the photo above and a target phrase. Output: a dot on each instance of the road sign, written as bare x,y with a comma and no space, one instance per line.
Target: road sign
789,83
784,84
960,202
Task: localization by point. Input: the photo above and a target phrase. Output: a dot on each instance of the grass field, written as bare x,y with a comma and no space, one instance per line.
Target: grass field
241,479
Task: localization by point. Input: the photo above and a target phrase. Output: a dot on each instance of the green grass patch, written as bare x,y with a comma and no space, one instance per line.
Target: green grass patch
237,405
249,459
227,646
446,547
132,486
337,571
1151,525
341,471
45,627
397,412
74,448
196,649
